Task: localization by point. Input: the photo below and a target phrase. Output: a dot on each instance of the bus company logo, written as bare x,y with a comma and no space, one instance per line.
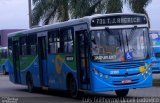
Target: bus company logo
144,69
58,63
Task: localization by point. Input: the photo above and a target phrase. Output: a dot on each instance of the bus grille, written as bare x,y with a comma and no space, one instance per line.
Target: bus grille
124,65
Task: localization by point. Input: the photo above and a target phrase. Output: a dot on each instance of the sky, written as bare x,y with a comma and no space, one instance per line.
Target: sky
14,14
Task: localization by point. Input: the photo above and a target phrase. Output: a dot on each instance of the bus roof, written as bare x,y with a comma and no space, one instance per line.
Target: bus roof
86,19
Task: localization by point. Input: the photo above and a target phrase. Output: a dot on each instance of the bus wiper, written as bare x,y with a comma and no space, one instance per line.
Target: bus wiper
111,33
117,38
131,33
128,38
108,30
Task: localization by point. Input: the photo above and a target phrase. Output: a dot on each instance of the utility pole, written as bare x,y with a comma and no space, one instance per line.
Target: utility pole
30,13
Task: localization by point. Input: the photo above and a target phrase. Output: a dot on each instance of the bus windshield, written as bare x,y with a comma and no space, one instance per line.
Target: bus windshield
114,45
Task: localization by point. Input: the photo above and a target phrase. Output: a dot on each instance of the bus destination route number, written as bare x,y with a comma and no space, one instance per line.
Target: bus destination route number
118,20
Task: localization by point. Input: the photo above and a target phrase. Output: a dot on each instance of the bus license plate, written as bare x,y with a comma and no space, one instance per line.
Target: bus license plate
126,81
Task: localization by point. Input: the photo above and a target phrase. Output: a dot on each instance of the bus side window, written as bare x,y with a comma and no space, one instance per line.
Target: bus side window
52,42
32,44
23,46
10,47
67,40
61,42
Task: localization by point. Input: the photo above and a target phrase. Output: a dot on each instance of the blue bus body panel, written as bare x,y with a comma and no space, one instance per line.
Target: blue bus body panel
56,77
112,74
6,64
57,72
100,85
0,68
33,68
155,38
112,79
155,60
45,72
11,72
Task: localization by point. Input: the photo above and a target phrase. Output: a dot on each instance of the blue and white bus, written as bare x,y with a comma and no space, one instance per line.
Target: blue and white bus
155,38
4,60
103,52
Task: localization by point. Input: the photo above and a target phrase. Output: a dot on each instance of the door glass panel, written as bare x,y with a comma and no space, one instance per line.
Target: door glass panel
82,56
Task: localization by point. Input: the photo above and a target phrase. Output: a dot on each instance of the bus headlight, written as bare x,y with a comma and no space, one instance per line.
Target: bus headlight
95,71
144,76
149,73
101,75
106,76
149,68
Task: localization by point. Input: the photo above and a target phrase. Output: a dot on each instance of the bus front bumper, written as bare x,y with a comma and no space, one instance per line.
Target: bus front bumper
115,83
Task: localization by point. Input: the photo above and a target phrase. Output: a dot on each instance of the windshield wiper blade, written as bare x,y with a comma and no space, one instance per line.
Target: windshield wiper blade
117,38
128,38
111,33
131,33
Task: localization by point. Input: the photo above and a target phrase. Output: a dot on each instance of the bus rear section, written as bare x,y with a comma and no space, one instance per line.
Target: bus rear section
4,69
155,39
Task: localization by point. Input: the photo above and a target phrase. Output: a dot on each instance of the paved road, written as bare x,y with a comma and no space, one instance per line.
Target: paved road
20,94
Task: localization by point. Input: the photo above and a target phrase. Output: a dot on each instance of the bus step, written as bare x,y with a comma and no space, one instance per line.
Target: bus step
44,88
83,90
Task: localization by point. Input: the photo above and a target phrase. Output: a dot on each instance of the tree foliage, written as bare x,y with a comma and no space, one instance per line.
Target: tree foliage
62,10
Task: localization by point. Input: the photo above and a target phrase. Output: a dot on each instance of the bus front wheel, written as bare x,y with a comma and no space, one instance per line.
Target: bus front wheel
122,93
30,83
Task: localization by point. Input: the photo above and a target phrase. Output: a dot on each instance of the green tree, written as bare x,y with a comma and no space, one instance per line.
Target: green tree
82,8
62,10
114,6
47,10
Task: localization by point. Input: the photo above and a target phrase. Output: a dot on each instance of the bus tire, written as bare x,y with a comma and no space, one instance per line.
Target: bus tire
122,93
4,70
73,91
30,83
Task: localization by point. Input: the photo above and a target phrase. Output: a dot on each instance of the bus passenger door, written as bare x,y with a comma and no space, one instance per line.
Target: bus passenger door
82,59
42,55
16,62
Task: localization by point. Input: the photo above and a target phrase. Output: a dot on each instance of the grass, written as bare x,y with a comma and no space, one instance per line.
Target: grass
156,82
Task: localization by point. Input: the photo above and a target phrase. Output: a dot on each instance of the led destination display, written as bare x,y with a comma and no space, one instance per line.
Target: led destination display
118,20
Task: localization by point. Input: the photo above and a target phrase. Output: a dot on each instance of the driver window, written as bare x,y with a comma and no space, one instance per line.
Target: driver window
95,44
112,41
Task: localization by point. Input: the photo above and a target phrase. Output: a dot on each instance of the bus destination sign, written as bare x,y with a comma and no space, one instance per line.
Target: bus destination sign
119,20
